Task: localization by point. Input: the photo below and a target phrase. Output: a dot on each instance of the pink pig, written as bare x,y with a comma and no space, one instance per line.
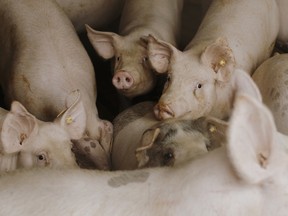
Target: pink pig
232,40
132,73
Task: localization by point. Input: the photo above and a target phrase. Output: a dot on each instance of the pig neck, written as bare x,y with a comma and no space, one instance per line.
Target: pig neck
228,21
140,31
160,18
46,36
243,61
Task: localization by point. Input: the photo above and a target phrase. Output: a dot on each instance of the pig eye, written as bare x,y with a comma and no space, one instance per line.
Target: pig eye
199,85
145,59
168,157
118,58
42,159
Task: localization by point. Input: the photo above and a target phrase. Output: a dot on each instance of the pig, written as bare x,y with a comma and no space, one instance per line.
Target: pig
272,79
282,37
132,74
140,140
43,60
98,14
247,176
174,141
28,142
232,40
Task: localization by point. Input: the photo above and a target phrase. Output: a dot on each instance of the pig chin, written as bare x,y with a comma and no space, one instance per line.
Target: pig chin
136,90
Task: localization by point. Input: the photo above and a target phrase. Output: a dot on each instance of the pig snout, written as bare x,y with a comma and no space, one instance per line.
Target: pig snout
163,111
122,80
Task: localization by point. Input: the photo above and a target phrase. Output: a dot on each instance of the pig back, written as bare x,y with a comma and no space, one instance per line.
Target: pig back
129,126
272,79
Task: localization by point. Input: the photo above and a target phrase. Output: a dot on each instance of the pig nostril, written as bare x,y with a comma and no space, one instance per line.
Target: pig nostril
128,79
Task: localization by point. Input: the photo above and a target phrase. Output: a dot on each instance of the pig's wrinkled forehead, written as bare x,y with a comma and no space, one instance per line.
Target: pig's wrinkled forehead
130,45
189,66
170,128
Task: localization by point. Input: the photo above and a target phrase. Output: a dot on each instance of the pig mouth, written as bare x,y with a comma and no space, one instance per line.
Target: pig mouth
163,111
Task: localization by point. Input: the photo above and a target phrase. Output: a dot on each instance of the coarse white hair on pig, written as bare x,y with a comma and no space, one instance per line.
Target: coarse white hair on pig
247,176
28,142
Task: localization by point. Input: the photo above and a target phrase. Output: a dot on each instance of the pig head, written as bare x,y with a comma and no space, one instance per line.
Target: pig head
202,84
132,74
28,142
174,141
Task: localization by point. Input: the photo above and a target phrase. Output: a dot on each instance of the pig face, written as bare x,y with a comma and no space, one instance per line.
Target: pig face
193,80
173,142
50,147
132,73
34,143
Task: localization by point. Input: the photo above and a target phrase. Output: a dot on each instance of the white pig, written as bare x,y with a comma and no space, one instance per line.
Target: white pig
272,79
140,140
283,30
97,14
232,40
246,177
27,142
42,61
132,73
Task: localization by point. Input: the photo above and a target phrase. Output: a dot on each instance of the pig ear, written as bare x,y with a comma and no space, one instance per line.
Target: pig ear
17,127
147,141
144,41
244,84
251,139
219,57
159,54
73,119
217,130
102,42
